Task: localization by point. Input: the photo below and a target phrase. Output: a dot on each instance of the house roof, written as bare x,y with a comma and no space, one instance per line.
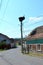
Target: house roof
36,33
36,36
4,35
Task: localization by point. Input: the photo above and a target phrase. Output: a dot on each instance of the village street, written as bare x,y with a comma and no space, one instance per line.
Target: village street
15,57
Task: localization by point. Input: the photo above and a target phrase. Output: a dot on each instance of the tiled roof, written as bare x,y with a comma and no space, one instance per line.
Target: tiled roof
36,33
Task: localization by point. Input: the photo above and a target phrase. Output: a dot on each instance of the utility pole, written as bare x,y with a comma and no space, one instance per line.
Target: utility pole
21,20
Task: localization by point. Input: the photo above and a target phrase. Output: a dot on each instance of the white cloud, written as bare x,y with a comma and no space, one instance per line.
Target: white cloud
35,19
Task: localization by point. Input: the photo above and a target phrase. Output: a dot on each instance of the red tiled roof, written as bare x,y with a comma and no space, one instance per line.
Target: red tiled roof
36,33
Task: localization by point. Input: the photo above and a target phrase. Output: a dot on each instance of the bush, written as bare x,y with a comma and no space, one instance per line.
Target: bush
2,45
8,46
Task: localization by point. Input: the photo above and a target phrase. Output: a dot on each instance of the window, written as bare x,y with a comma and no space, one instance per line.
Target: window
38,47
30,46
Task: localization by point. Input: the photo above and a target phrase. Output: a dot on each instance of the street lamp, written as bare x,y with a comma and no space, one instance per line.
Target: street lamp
21,20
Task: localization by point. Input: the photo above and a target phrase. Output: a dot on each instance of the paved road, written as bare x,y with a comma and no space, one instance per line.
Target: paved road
15,57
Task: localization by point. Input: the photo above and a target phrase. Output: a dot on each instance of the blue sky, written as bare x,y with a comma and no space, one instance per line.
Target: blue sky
11,10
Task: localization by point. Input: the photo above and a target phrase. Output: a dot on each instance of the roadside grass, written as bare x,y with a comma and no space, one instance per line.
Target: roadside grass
1,50
35,54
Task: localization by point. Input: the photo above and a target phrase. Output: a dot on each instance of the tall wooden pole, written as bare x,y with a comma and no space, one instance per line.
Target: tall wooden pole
21,20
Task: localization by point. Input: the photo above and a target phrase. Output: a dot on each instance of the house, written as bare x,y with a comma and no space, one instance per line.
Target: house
9,41
35,40
13,43
4,37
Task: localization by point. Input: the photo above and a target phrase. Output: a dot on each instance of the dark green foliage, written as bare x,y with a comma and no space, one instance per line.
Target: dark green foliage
3,45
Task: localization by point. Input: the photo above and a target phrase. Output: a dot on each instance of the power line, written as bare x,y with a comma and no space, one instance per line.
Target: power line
30,25
37,21
26,30
40,16
0,4
5,8
36,17
6,22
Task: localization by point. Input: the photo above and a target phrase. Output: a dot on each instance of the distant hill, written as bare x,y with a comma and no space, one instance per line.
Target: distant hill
36,33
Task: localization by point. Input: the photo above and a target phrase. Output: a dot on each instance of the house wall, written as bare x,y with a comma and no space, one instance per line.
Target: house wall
34,47
10,42
4,38
12,45
42,47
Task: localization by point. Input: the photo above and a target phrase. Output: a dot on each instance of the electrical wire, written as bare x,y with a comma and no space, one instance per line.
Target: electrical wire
36,17
2,19
5,8
0,4
5,22
37,21
33,24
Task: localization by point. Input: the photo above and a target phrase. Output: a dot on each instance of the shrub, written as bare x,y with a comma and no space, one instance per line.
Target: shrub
2,45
